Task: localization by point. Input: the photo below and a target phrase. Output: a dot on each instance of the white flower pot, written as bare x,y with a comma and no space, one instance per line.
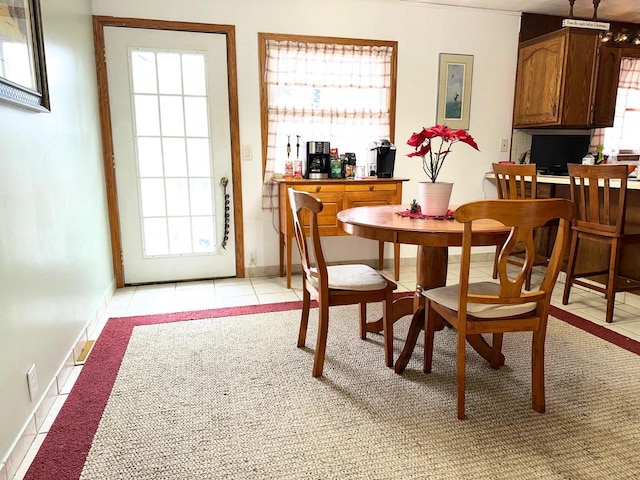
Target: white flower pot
433,198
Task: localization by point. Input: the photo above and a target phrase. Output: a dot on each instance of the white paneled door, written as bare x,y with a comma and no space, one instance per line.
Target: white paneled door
172,147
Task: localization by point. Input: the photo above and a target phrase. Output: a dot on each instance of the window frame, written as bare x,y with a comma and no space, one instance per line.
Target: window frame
628,52
264,88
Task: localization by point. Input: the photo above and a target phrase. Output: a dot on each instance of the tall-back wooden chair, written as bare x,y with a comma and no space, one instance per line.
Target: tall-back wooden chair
517,182
498,307
336,284
600,195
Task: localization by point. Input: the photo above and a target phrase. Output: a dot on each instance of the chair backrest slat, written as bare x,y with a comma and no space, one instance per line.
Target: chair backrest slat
306,207
599,193
515,181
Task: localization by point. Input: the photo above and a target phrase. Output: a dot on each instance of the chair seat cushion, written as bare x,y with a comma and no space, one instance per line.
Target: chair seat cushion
449,297
353,277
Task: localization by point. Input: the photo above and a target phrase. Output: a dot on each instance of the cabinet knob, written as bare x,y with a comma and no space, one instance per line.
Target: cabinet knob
371,188
318,188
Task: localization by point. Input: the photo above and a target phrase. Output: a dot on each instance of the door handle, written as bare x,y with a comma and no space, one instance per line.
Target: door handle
224,181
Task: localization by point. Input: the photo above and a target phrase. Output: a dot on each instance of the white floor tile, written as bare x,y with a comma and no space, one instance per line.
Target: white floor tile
71,381
31,454
240,290
239,301
288,296
53,413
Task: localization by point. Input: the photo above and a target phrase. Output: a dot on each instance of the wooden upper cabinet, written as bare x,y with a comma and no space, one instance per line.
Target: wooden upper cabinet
556,77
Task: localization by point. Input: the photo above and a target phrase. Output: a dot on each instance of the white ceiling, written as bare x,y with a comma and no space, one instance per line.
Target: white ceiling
608,10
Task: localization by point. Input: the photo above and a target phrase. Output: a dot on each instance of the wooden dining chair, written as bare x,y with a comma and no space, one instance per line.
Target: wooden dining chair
498,307
601,207
517,181
333,285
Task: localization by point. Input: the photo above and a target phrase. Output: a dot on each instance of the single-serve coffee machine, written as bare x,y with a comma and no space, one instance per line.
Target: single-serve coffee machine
385,158
318,160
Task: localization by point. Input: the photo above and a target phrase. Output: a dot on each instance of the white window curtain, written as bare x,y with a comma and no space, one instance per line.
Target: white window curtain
353,82
629,79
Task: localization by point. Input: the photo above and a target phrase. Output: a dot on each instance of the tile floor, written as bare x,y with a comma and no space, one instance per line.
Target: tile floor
176,297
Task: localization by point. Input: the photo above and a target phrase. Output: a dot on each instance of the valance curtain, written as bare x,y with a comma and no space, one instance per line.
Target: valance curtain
323,66
629,79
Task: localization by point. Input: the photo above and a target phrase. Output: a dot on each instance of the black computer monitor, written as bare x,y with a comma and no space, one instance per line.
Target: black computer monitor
552,153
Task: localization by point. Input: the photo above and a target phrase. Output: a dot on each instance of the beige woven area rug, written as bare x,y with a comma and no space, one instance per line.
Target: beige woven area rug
234,398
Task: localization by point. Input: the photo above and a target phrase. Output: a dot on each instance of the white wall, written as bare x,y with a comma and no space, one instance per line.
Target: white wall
56,263
422,33
54,247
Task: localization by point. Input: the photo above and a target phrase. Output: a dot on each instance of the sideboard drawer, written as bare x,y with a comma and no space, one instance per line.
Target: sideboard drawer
371,187
319,188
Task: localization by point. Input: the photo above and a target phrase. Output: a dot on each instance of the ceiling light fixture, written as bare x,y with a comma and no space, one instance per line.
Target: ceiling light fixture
596,3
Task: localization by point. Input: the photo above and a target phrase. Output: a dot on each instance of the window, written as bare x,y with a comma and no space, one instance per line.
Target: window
324,89
623,136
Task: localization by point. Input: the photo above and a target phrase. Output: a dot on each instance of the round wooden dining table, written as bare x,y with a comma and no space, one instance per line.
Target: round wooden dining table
433,238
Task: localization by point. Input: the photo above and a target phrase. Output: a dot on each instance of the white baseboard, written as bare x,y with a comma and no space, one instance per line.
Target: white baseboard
36,420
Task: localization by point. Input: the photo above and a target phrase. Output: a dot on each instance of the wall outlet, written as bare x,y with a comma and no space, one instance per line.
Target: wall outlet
504,145
32,382
253,259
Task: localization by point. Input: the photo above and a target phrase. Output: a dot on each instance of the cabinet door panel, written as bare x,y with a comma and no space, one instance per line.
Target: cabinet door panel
538,88
327,221
607,86
579,80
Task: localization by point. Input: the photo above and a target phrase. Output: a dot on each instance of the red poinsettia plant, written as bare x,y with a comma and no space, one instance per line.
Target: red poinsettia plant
432,159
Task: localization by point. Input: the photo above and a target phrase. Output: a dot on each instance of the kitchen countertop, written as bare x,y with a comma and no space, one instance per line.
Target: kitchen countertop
632,182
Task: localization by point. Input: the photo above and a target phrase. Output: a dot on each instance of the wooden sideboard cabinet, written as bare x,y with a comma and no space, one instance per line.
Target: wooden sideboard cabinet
336,195
556,79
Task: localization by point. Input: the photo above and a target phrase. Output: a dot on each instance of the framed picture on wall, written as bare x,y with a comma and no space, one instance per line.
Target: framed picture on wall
23,74
454,90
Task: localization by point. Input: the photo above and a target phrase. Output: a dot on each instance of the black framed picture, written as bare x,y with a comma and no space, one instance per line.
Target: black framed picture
23,74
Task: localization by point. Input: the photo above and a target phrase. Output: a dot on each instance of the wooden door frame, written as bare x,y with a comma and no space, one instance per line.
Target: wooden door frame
99,22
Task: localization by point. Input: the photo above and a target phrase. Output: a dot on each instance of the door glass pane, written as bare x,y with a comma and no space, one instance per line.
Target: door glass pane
152,197
194,74
172,117
177,197
169,77
149,157
175,161
200,196
203,237
179,235
198,154
195,111
156,240
146,113
143,72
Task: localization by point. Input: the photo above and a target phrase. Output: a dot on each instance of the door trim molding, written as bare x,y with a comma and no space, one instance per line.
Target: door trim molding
99,22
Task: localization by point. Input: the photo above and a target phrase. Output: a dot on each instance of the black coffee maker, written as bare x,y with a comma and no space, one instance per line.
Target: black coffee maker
318,160
385,158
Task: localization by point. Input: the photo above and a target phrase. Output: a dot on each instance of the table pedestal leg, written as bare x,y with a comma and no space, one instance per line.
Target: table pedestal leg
431,267
431,273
